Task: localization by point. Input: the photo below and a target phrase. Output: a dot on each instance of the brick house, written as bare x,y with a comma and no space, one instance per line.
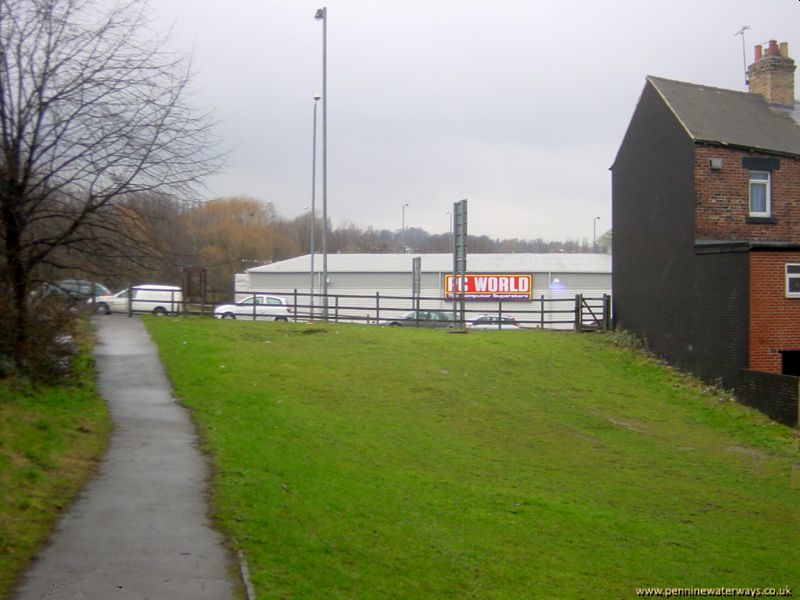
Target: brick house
706,245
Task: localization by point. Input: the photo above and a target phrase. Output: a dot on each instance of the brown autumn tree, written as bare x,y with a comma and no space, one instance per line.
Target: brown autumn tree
229,235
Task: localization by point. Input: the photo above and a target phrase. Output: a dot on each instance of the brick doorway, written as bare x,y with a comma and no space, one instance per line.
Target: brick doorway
790,362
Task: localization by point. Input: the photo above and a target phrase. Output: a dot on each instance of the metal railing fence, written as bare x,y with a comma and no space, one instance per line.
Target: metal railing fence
579,313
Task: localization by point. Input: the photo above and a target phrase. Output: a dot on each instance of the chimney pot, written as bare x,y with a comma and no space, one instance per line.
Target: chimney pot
773,49
758,53
784,50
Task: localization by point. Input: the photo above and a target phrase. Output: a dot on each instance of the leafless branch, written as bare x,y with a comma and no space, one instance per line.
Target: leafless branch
93,111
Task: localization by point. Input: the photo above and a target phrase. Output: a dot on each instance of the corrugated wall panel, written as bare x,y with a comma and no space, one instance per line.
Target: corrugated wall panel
400,283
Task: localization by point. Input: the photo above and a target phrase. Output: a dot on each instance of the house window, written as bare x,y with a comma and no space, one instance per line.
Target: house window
759,194
793,281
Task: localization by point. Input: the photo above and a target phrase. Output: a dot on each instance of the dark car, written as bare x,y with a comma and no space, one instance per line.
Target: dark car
73,291
420,318
494,322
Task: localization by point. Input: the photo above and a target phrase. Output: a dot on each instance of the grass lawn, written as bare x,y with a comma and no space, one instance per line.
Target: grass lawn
365,462
50,438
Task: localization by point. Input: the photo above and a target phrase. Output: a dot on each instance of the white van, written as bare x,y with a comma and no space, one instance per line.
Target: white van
145,298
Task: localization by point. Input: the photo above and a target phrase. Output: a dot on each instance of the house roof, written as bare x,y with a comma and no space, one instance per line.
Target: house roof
443,263
730,117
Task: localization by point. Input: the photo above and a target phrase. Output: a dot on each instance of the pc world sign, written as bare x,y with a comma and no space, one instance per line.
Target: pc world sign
489,286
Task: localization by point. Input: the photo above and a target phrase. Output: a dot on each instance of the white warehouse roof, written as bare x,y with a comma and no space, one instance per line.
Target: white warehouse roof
443,263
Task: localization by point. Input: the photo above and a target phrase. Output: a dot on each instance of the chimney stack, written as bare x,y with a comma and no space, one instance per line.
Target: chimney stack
772,73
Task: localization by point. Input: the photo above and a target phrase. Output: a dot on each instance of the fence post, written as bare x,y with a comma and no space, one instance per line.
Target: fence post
295,305
94,297
500,314
377,308
578,312
336,310
606,312
541,311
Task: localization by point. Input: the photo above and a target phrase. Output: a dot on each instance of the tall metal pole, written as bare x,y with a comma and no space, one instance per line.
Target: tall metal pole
313,245
403,231
594,233
459,259
322,14
744,58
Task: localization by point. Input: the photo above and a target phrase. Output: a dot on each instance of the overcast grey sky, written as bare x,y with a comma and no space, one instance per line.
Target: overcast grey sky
518,106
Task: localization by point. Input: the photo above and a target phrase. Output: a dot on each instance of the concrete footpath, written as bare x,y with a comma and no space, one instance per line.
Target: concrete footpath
140,529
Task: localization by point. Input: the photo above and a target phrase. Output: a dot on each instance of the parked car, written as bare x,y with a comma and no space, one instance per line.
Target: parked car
420,318
494,322
149,297
258,306
72,290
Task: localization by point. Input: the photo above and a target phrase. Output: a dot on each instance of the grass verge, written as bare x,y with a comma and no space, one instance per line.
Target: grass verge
356,461
50,439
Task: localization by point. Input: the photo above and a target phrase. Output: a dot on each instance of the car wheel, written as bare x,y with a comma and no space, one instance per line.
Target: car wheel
281,319
229,315
394,324
102,308
159,311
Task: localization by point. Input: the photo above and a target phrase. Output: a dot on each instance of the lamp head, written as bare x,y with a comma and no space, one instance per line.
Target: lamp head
320,14
317,97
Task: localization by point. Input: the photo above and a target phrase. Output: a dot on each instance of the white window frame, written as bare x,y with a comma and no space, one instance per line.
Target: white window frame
767,184
792,274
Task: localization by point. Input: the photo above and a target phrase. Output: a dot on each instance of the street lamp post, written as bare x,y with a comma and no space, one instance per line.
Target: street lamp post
403,231
312,245
594,233
270,212
322,15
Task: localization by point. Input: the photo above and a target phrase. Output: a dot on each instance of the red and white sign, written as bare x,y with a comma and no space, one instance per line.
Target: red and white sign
498,286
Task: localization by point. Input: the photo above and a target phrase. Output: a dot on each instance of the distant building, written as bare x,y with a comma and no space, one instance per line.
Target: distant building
520,281
706,245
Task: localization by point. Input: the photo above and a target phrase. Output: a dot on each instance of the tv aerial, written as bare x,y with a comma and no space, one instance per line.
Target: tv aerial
744,59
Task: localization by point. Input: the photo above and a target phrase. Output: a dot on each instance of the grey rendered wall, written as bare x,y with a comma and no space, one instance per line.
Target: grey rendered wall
653,243
721,314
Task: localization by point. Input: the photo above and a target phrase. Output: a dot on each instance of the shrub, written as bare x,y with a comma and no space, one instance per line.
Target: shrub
49,344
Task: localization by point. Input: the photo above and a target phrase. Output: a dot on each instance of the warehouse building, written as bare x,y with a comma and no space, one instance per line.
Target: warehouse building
537,289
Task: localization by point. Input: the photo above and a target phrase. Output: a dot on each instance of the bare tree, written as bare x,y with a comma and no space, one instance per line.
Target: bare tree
93,110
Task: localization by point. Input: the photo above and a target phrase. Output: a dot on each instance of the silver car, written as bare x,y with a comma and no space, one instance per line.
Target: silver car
256,307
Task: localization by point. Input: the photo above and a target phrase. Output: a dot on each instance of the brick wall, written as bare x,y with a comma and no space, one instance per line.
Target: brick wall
722,198
772,74
774,395
774,318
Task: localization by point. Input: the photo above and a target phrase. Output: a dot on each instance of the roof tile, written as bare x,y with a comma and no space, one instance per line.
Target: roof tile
731,117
